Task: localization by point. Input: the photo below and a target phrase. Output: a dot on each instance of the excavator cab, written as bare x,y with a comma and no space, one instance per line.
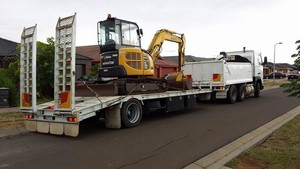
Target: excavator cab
120,47
114,33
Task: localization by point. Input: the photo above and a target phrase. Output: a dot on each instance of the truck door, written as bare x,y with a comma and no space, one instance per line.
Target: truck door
258,68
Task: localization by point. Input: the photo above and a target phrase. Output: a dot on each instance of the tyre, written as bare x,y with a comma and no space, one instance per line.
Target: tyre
257,89
232,94
131,113
241,93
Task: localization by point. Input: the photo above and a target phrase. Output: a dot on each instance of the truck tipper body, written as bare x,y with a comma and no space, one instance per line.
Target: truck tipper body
231,76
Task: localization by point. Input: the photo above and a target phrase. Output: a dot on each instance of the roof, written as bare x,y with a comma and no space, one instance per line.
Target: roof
281,65
8,48
188,58
81,57
91,51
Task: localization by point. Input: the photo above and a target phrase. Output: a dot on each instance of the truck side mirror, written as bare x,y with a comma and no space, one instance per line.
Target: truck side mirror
265,61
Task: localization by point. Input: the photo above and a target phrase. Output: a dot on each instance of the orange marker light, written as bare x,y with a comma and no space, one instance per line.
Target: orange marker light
216,77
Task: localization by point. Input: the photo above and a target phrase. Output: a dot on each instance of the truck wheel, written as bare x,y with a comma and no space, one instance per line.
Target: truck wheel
257,89
241,93
131,113
232,94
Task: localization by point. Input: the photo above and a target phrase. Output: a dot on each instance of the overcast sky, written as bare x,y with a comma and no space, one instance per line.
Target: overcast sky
210,26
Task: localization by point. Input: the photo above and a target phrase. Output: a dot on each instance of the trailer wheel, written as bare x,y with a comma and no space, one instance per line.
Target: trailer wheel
241,93
232,94
257,89
131,113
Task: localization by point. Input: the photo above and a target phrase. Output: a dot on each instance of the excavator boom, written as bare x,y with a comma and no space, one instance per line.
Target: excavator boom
167,35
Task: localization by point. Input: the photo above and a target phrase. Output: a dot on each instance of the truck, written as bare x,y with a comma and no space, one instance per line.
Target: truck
71,106
231,75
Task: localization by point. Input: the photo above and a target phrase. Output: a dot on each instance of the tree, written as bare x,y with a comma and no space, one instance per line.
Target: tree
45,67
10,77
294,86
297,61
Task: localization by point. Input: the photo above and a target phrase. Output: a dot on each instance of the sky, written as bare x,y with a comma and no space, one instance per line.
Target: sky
210,26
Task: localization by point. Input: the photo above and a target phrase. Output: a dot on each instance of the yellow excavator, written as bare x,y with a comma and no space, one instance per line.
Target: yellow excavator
126,64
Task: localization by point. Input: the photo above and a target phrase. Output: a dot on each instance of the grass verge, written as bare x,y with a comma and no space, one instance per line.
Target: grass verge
15,119
279,151
11,120
268,83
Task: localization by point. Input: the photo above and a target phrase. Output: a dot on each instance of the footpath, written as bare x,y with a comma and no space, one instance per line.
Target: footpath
218,158
9,110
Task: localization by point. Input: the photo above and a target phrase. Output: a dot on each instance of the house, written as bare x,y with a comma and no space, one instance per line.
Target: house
169,64
83,65
7,49
279,67
86,57
164,66
91,51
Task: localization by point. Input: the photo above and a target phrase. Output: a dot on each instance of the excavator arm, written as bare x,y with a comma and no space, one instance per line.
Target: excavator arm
167,35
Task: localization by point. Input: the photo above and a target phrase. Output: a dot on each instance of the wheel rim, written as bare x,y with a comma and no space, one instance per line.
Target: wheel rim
133,113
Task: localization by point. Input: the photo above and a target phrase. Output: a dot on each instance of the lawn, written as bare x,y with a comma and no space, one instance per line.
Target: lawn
11,120
16,119
279,151
268,83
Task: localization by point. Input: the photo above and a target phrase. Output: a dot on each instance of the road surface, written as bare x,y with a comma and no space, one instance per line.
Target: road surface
163,140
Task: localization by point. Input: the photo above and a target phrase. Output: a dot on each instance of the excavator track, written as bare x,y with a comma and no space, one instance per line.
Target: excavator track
127,86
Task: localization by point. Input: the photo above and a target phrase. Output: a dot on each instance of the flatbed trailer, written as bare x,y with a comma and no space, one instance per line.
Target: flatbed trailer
64,114
117,110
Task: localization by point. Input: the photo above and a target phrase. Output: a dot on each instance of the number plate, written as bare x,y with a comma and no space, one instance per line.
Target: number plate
48,117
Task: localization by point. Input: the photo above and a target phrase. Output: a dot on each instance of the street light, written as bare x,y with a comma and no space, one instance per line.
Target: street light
274,61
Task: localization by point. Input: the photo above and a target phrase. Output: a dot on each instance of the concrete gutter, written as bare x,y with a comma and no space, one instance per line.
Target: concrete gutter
218,158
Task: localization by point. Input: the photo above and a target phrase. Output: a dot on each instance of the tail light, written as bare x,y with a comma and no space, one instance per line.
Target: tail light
29,116
188,76
220,87
72,119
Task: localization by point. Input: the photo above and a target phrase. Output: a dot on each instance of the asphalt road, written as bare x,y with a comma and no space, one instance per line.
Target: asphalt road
163,140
